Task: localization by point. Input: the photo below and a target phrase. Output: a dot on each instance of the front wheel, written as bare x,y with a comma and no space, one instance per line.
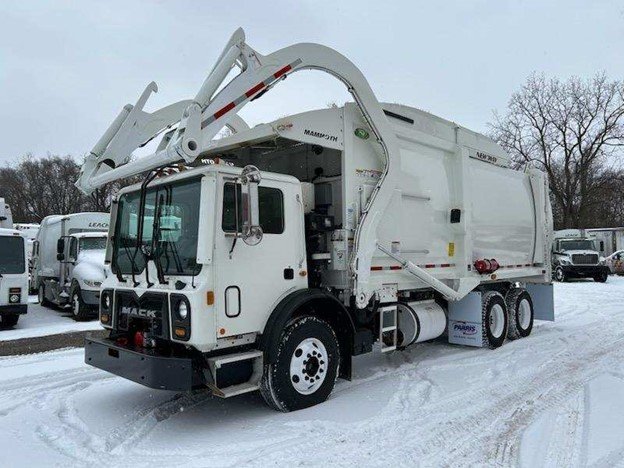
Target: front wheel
601,277
42,298
560,275
8,321
80,310
305,368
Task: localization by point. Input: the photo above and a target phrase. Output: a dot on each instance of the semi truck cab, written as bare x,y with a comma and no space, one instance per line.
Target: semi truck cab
576,255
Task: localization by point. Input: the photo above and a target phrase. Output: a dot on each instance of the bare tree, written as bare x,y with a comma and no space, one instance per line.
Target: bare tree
573,130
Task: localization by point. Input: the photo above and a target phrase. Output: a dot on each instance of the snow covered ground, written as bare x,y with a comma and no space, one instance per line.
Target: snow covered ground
552,399
43,321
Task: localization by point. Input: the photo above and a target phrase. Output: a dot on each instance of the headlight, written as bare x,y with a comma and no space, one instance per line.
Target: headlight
564,261
106,300
602,261
92,284
182,310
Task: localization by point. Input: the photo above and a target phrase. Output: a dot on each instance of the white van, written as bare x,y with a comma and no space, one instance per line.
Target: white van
13,277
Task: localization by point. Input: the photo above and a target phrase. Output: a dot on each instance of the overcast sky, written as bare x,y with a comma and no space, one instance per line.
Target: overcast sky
66,68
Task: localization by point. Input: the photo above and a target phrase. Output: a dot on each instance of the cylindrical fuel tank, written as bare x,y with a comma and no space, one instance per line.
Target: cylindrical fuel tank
420,321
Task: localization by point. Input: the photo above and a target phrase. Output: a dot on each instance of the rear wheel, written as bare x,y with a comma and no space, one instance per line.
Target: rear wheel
80,310
520,311
42,299
305,368
494,319
8,321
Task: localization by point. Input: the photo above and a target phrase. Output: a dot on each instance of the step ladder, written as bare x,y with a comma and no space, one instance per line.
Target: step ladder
215,364
388,328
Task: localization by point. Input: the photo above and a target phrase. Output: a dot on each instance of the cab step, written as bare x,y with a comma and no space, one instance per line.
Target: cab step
218,365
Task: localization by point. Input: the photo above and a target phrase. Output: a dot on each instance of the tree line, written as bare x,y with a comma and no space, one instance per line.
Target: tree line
37,187
571,129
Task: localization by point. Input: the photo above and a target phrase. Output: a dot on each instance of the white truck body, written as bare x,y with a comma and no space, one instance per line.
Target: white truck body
371,219
60,272
6,217
13,277
610,240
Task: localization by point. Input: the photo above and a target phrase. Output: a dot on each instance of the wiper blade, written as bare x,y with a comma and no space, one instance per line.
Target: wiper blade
156,239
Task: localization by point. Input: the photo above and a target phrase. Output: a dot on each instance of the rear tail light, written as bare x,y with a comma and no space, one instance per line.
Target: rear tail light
486,266
138,339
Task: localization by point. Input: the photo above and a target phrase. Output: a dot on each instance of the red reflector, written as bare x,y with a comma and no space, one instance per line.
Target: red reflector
122,341
138,339
282,71
376,268
224,110
396,267
430,265
254,90
445,265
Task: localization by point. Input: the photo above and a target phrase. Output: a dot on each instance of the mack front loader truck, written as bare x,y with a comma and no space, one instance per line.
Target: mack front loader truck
68,262
267,259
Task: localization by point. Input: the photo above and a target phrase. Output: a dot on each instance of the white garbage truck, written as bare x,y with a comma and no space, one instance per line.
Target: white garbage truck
267,259
68,266
13,277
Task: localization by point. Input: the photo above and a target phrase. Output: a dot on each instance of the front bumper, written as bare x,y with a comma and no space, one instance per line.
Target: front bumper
143,366
585,271
14,309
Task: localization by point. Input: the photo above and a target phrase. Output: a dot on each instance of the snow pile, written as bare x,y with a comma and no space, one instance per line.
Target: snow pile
552,398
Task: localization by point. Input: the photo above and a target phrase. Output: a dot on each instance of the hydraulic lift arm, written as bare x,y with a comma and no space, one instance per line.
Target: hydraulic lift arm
201,118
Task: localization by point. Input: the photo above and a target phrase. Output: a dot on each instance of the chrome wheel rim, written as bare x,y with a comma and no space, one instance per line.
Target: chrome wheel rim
524,314
497,320
308,366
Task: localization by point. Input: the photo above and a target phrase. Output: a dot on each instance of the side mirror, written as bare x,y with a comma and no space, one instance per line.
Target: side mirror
60,246
251,231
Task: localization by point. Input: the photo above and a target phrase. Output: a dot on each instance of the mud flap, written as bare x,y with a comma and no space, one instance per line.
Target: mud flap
543,301
464,321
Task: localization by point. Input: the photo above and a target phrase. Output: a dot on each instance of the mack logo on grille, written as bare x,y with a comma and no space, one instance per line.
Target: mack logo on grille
139,312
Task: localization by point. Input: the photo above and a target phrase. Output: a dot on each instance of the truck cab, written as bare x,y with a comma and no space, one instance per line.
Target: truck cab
13,277
68,258
575,254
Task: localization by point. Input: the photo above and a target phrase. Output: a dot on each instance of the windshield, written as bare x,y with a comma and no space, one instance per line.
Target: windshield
577,244
12,259
170,227
92,243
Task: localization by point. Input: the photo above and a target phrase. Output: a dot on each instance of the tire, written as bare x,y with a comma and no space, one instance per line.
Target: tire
8,321
42,299
559,275
494,319
80,310
601,277
308,343
520,313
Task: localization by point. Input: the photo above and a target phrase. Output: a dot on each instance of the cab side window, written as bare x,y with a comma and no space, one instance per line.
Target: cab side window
271,207
73,248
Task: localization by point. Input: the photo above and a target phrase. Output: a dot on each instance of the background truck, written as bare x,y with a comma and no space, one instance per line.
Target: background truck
13,277
6,218
575,254
267,259
69,261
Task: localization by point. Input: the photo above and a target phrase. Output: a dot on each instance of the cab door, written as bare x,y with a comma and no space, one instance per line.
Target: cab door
251,279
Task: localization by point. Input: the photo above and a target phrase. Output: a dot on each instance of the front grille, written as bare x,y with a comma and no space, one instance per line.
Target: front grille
148,313
585,259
